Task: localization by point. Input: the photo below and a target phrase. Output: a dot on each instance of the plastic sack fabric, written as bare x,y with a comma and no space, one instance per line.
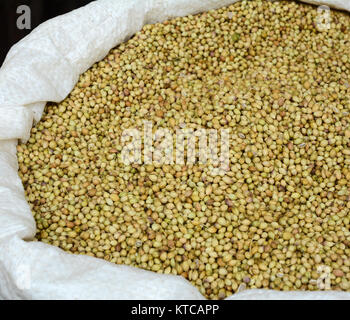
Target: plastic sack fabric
43,67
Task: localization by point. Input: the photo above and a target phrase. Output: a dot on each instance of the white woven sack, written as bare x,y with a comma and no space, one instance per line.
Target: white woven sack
45,66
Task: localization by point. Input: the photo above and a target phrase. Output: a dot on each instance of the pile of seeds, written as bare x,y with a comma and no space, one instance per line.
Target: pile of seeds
278,219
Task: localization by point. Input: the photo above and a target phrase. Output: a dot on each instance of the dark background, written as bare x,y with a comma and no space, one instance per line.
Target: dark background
41,10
